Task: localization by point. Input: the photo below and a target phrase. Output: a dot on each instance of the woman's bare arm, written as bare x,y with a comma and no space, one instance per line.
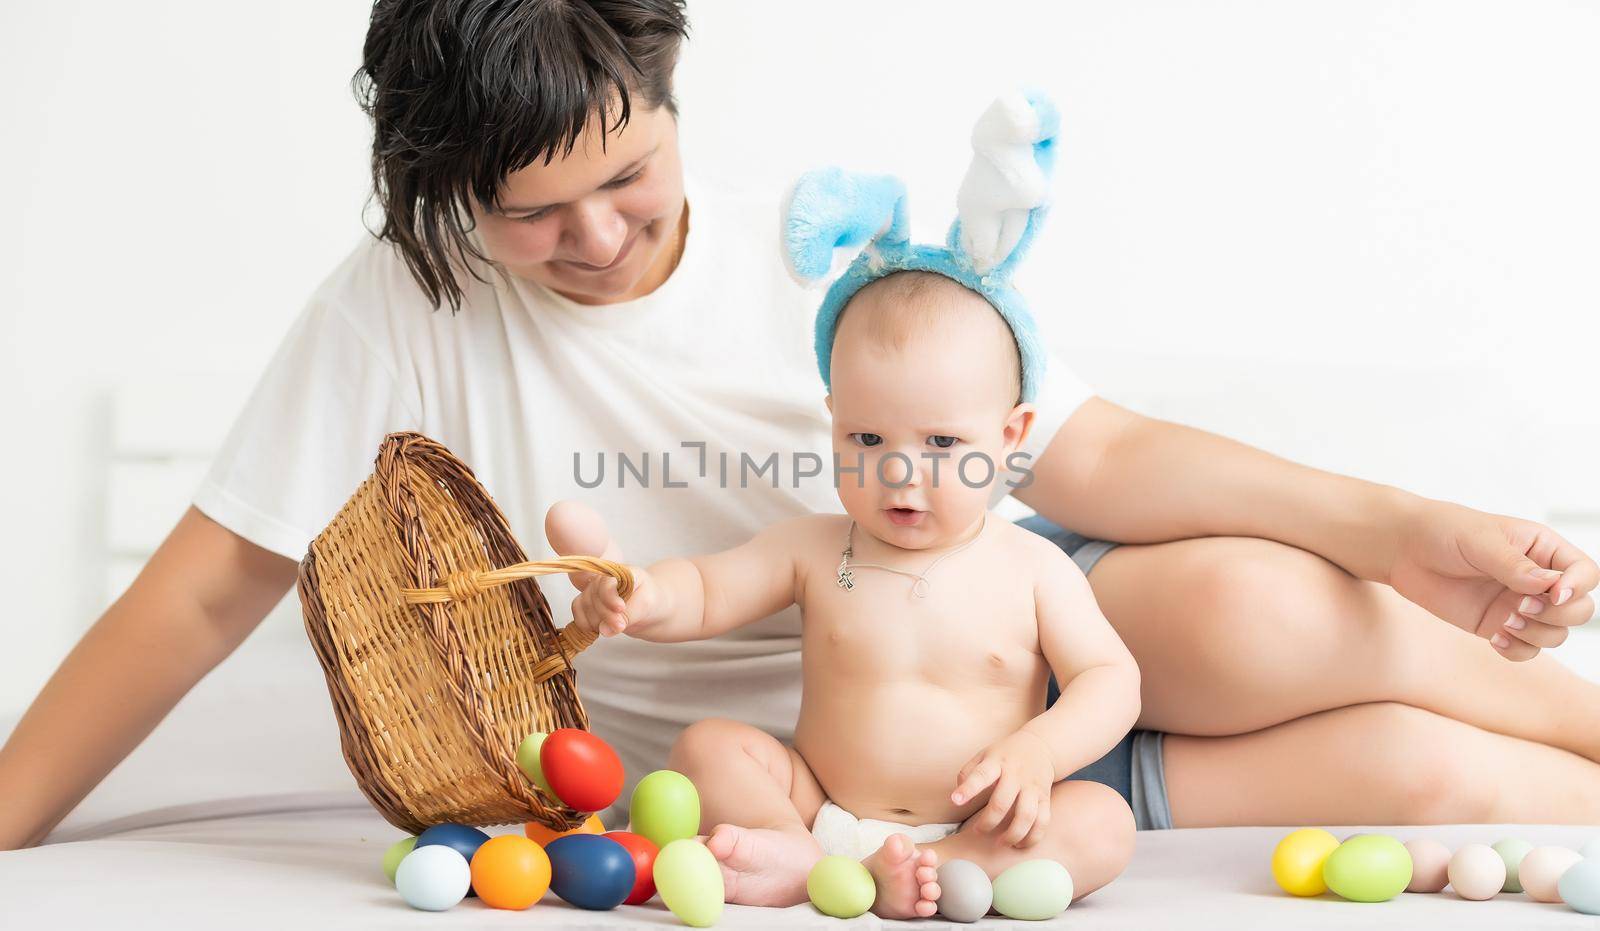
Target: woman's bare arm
200,595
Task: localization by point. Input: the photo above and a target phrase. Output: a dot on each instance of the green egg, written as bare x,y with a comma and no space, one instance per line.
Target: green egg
1512,851
689,881
397,851
665,807
1368,868
528,759
1033,891
841,887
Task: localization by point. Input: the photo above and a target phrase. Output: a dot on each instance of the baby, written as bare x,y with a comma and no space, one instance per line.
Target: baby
929,633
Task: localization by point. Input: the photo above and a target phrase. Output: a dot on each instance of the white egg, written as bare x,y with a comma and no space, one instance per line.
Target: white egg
1541,872
1429,862
1476,872
433,878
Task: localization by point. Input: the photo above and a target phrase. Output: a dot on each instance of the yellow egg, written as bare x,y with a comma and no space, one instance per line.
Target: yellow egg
1297,862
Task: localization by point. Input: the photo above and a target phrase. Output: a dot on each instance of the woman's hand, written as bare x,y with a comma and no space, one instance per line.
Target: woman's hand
1515,582
601,610
1023,774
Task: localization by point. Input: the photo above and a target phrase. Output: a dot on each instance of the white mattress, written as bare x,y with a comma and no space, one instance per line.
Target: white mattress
313,861
239,812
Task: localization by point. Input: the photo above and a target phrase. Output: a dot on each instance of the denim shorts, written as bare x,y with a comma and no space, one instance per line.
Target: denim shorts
1133,767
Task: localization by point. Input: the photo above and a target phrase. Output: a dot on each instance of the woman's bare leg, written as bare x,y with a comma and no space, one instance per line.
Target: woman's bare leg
1382,763
1236,634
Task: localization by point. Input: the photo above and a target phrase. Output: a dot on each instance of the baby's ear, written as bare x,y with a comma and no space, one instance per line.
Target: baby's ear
829,401
832,209
1018,424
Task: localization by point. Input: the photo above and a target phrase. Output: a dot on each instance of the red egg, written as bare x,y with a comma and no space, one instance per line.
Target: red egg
582,769
644,864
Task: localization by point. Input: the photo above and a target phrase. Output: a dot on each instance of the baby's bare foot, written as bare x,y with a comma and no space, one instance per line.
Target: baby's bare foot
906,879
763,867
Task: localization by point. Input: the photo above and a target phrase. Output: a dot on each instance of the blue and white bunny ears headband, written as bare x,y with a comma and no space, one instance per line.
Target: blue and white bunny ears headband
1002,201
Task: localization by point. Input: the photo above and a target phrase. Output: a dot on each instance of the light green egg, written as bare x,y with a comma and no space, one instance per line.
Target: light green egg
841,887
1512,851
1369,868
397,851
665,807
1033,891
528,759
689,881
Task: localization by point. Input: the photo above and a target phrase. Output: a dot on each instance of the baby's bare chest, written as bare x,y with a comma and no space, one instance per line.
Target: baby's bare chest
966,627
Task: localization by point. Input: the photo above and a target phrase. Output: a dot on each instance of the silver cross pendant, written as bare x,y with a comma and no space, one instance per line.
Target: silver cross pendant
846,579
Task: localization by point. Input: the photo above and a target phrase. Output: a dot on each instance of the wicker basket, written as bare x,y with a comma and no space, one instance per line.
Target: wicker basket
437,644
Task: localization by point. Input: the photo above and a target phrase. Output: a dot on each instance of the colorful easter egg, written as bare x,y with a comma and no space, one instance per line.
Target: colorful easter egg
1477,872
397,851
965,891
644,862
1512,850
689,880
433,878
1430,865
582,770
1579,886
510,872
590,871
841,887
1369,868
665,808
528,760
1297,861
542,835
1541,871
1033,890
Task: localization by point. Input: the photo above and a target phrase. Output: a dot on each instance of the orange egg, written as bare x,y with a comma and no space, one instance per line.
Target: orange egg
543,835
510,872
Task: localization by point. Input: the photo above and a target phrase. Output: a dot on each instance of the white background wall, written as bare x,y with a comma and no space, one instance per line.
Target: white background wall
1361,234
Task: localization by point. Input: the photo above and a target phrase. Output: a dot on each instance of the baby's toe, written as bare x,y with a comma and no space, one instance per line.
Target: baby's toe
897,848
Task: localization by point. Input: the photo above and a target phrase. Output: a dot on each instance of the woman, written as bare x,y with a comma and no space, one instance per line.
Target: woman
548,297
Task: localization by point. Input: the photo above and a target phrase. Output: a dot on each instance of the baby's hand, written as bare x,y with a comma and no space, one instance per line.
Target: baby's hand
1022,772
600,609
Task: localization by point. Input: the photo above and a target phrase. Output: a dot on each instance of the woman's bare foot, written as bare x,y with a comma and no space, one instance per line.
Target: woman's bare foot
906,879
762,866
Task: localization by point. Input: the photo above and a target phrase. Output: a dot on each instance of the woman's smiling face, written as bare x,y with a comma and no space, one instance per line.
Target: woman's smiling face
601,225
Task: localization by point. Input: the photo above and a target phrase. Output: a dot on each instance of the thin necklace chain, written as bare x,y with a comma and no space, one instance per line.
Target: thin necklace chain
847,579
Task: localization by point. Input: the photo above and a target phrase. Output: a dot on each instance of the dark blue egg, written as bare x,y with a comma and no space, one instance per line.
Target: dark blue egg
590,870
463,839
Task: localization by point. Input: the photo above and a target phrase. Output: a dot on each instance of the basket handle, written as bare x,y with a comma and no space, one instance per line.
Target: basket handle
463,586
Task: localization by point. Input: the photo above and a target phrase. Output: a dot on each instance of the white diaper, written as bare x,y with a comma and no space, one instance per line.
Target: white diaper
842,833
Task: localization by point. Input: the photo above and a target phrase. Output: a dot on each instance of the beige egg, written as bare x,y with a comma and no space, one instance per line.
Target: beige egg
1430,861
1476,872
1541,871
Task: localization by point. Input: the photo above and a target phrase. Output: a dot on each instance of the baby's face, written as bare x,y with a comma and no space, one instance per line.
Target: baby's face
921,416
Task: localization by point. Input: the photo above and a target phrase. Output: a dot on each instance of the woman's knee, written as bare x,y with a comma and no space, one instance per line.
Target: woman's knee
1422,763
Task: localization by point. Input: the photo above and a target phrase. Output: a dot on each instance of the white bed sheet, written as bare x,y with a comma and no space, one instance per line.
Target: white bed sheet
312,861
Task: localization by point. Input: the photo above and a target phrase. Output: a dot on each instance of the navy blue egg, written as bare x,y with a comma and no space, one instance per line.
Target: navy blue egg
590,871
463,839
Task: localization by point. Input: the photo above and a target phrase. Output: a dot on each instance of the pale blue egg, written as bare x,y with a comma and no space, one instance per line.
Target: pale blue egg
433,878
1580,886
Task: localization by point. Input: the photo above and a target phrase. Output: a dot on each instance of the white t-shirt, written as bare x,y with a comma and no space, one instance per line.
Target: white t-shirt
523,379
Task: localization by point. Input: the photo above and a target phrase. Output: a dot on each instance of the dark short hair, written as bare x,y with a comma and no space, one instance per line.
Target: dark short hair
464,92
